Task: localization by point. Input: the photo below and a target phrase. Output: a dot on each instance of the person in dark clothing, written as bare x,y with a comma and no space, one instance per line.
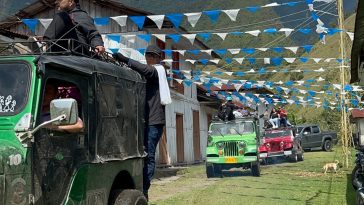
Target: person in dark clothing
226,110
71,22
154,110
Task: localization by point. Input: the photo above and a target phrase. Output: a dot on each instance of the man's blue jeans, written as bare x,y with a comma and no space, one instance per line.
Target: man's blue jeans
152,136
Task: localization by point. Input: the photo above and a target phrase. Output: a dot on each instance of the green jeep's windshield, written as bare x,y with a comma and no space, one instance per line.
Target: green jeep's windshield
238,128
14,87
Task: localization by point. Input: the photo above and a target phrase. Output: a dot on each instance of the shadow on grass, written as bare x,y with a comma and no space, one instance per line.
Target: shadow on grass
350,192
263,197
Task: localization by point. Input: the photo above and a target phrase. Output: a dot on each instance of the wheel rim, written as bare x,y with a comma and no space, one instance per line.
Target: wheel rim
328,145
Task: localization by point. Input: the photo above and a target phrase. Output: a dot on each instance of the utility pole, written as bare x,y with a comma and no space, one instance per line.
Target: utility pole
344,116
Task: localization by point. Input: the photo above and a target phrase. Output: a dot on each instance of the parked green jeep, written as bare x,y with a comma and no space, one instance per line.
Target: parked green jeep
232,144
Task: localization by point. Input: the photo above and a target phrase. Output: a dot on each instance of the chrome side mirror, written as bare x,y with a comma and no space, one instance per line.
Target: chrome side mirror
66,107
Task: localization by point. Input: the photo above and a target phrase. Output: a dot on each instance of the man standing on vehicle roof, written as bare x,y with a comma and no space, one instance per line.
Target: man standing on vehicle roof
74,23
157,96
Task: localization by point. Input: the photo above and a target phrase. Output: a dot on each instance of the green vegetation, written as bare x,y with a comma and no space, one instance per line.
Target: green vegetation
283,183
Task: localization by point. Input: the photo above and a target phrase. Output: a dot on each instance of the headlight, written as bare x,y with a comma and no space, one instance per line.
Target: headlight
242,145
220,145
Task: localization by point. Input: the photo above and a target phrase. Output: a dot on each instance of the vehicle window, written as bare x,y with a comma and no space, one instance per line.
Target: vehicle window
14,87
232,128
307,129
315,129
299,129
278,133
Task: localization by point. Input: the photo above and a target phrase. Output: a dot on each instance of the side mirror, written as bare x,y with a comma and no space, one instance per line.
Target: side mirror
306,133
209,133
67,107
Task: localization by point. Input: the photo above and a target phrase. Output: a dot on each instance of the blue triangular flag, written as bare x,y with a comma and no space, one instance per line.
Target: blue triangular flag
174,37
220,51
203,61
176,19
240,73
218,73
253,9
195,52
141,50
348,88
310,81
276,61
248,50
311,92
31,23
307,48
168,52
270,30
138,20
114,50
278,49
204,36
213,15
252,60
228,60
145,37
237,33
304,30
262,71
303,59
290,3
339,60
114,37
332,31
309,1
188,83
314,16
102,21
289,83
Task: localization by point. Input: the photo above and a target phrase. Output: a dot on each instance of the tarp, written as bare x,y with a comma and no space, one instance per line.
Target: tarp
357,54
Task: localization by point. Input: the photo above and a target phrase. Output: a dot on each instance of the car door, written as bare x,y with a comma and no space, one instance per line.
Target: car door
306,141
316,137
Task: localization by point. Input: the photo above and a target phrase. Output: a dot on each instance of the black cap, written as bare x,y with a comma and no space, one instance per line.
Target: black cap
154,49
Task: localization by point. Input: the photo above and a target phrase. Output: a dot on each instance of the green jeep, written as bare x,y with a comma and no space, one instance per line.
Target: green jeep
232,144
103,164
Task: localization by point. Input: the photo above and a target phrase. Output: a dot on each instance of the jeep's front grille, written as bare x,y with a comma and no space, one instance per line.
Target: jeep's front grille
231,149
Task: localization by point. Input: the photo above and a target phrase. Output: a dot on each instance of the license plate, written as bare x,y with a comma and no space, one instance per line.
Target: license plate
287,152
231,160
263,155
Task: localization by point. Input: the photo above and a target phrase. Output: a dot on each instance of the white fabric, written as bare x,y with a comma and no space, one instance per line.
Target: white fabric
232,14
254,33
237,87
193,18
229,73
207,51
191,61
351,35
161,37
121,20
251,71
287,31
263,49
293,49
215,61
271,5
320,70
266,60
179,81
289,60
222,35
182,52
320,79
190,37
234,51
317,60
239,60
158,20
45,22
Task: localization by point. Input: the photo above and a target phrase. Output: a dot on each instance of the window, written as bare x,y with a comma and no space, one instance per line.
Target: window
315,130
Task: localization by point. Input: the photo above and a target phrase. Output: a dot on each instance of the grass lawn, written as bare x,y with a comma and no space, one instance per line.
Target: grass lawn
282,183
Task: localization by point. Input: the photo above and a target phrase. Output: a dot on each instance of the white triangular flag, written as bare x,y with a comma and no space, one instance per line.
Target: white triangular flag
251,71
274,71
337,86
320,79
182,52
290,101
234,51
121,20
215,61
262,49
320,70
310,7
191,61
45,22
219,85
193,18
317,60
190,37
266,60
287,31
289,60
229,73
158,20
254,33
328,60
271,5
351,35
179,81
207,72
222,35
239,60
293,49
129,38
332,108
224,81
198,83
207,51
232,14
161,37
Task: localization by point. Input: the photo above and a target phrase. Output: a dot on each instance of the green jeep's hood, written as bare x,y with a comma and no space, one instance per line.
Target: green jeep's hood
247,138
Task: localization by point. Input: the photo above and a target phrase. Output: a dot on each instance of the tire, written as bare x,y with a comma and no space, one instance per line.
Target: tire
359,199
356,175
255,169
128,197
327,146
210,171
300,157
218,170
293,157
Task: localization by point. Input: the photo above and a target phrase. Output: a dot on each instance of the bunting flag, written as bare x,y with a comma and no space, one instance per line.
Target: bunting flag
193,18
138,20
121,20
157,19
31,23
